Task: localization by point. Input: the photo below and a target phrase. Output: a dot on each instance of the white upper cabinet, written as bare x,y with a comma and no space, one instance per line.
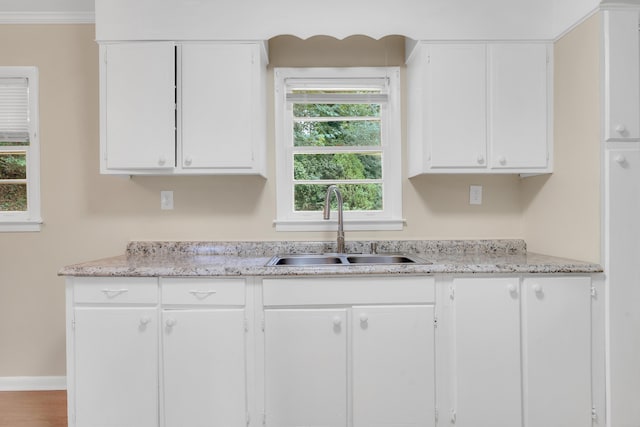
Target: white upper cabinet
519,94
455,106
137,119
479,108
222,100
183,108
621,75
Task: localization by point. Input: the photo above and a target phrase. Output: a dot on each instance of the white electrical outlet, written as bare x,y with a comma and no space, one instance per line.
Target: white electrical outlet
166,200
475,194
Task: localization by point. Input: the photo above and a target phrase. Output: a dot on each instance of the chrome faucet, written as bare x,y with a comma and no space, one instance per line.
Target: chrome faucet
327,214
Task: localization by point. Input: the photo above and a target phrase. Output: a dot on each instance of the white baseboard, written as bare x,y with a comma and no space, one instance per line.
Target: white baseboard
32,383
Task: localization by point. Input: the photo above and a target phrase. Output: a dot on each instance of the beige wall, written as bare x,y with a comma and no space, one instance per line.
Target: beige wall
88,215
562,210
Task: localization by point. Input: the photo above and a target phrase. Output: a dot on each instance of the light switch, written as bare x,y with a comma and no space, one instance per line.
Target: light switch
166,200
475,194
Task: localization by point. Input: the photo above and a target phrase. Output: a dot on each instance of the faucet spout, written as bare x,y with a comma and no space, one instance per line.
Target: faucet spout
327,214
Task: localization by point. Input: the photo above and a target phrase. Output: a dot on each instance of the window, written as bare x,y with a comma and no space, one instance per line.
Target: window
338,126
19,150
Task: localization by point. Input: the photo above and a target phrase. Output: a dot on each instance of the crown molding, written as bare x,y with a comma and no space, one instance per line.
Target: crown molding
47,17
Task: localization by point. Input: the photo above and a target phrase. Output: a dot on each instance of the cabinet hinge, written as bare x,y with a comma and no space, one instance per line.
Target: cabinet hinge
435,322
246,325
435,414
73,324
453,416
262,325
248,418
452,293
594,414
264,419
428,59
594,292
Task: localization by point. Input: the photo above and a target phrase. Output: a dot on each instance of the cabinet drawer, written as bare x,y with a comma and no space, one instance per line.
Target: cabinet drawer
358,290
116,290
203,291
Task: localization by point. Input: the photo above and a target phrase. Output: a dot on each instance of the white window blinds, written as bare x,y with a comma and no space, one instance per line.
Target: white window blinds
14,111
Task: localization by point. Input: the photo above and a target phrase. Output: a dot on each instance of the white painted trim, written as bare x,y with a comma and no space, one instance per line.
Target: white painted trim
33,383
20,226
331,225
47,17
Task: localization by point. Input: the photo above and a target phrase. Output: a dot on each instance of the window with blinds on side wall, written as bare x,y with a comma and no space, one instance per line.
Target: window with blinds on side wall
19,150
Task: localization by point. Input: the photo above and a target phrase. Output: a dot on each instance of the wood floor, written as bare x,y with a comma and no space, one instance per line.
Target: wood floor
33,409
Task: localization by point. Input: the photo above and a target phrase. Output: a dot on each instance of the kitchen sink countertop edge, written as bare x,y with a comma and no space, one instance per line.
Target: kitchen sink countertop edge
187,259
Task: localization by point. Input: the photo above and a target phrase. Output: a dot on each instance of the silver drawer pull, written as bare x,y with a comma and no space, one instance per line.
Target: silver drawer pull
202,294
112,293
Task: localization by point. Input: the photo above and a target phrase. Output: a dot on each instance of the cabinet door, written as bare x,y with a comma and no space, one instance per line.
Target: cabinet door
219,88
623,276
518,104
621,75
393,366
455,111
557,351
116,367
306,368
138,104
486,352
204,375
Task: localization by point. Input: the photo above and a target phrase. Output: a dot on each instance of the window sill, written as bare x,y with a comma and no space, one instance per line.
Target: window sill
331,225
8,226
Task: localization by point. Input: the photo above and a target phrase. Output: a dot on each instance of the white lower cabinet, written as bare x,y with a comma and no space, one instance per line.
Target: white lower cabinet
306,367
346,364
393,366
203,372
486,353
557,342
204,357
113,353
520,351
502,351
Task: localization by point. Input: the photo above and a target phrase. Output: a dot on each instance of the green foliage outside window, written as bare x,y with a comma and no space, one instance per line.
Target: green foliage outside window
356,125
13,196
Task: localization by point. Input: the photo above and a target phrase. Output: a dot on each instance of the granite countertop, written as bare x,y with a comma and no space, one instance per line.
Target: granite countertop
155,259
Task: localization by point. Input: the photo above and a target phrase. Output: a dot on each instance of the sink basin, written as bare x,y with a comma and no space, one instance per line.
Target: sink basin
380,259
305,260
340,259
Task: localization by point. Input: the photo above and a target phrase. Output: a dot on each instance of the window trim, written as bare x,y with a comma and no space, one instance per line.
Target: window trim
388,219
30,220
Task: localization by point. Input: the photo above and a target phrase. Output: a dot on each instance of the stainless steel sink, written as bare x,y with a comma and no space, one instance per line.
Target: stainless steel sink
380,259
343,259
306,260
